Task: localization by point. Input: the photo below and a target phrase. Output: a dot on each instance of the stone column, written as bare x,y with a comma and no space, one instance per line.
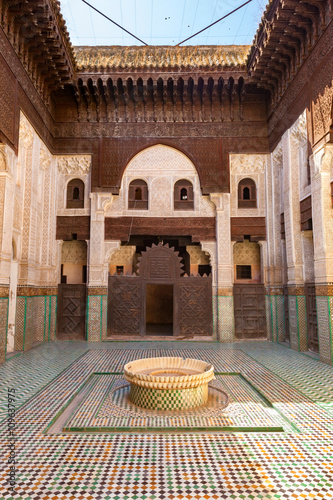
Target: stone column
211,248
322,217
97,273
6,223
294,251
223,289
272,265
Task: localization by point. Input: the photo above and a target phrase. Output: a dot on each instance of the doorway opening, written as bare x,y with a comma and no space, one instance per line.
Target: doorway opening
159,309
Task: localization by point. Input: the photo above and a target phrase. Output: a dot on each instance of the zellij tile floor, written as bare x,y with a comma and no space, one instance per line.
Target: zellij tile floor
77,436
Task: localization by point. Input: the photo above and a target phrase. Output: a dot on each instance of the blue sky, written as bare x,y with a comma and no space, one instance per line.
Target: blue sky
161,22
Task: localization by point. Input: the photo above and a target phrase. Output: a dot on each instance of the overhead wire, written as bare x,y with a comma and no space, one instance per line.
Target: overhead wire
114,22
212,24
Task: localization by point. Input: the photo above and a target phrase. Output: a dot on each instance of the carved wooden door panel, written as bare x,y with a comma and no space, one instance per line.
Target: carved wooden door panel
249,308
311,312
124,305
195,306
71,315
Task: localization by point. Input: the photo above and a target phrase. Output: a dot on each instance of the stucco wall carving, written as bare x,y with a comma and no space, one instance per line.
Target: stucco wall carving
74,164
247,253
74,252
123,256
160,166
198,256
253,167
3,161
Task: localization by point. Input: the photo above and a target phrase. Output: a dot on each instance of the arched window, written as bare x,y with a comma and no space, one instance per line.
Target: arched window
183,195
138,195
247,195
75,194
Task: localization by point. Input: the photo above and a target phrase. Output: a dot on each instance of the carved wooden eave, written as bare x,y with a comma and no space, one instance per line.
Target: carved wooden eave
288,31
38,34
133,84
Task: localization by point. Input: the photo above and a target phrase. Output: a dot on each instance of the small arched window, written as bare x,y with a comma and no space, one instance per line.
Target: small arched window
138,195
75,194
183,195
247,194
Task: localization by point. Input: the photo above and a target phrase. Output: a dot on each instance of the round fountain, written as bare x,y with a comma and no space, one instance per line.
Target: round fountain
168,383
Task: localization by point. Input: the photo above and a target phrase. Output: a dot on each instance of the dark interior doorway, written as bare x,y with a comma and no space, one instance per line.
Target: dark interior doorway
159,309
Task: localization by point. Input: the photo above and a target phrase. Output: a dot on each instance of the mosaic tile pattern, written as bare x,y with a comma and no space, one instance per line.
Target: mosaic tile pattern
173,466
168,399
324,332
94,318
302,324
104,316
3,327
39,318
274,319
280,320
268,317
246,410
225,320
293,322
53,319
20,323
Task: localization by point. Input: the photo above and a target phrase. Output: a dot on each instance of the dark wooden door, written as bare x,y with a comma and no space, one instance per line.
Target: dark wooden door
71,316
160,269
250,314
311,312
124,305
195,306
286,313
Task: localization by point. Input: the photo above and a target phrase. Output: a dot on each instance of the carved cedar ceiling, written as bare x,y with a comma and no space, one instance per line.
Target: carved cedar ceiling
161,84
38,34
288,31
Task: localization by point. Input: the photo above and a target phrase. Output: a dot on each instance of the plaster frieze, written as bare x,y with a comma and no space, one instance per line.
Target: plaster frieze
247,164
74,164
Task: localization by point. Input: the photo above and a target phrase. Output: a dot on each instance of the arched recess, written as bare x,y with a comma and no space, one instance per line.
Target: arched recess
247,193
164,143
160,167
75,194
183,195
138,195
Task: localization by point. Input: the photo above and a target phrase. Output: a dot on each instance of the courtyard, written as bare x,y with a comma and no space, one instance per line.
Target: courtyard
75,438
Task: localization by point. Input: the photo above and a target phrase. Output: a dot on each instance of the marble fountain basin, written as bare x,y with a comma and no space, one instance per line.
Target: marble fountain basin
168,383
